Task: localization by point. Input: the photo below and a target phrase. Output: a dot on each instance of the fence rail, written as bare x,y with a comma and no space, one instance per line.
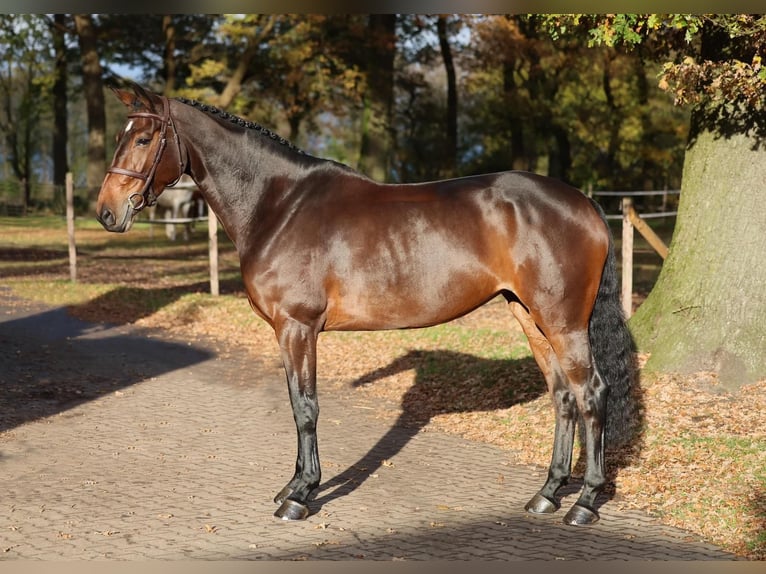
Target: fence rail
644,215
636,193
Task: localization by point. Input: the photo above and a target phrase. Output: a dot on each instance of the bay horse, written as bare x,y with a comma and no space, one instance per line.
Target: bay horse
322,247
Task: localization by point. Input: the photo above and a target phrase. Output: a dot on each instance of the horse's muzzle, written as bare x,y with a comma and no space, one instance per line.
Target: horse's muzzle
116,222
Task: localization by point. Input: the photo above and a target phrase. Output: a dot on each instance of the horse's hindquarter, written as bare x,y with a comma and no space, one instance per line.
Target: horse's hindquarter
372,256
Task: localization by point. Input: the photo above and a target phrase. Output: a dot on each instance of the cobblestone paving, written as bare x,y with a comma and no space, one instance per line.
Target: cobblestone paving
116,444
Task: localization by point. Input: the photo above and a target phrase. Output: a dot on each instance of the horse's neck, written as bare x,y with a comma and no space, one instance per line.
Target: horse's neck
232,171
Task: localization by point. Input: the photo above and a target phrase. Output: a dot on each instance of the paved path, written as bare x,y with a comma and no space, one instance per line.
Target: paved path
115,444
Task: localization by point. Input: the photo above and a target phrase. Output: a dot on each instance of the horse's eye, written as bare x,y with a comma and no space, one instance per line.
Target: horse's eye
143,141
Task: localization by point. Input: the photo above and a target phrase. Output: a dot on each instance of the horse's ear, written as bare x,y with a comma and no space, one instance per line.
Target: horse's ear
126,97
138,99
147,98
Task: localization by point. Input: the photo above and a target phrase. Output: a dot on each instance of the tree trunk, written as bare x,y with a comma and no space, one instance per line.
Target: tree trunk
242,69
559,153
706,311
169,57
377,142
615,118
513,120
450,159
26,160
94,98
60,130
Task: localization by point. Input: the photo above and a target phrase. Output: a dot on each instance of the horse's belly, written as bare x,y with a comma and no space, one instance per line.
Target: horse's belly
408,304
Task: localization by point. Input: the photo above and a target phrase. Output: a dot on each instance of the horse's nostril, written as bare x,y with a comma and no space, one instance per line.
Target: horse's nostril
107,217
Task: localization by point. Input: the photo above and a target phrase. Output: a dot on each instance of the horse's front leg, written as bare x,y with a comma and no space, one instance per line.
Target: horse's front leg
297,343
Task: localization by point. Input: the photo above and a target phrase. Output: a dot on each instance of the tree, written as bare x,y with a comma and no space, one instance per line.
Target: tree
60,116
92,79
377,140
312,69
425,115
706,310
450,157
24,92
589,116
162,47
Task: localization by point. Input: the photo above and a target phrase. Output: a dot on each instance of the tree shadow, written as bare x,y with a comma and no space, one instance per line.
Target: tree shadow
445,382
32,261
31,254
451,382
52,362
125,305
728,119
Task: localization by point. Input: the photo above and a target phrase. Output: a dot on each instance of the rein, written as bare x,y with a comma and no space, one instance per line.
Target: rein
147,197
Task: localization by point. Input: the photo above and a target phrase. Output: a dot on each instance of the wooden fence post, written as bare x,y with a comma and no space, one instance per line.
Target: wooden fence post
627,257
69,185
212,233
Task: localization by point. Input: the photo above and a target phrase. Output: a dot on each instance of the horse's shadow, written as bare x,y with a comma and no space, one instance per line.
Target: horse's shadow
445,382
450,382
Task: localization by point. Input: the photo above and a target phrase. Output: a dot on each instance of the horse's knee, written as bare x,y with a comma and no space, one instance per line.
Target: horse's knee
306,412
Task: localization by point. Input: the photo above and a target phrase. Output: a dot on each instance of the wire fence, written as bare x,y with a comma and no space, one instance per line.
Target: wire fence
43,198
650,204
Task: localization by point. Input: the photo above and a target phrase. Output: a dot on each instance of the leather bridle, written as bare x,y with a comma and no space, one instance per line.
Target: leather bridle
147,197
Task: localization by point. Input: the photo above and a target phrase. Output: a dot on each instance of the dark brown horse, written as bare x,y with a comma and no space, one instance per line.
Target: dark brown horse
323,248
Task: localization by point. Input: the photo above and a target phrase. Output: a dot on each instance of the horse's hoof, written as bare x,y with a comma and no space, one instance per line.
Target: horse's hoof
292,510
541,505
581,516
287,491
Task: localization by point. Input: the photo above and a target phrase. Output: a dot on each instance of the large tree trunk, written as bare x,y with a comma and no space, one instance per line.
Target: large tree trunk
377,141
707,310
94,98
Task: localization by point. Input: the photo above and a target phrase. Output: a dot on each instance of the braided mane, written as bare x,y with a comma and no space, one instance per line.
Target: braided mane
240,122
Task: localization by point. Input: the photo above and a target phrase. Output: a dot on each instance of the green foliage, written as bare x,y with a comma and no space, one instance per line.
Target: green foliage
545,92
617,28
718,56
141,40
26,80
576,96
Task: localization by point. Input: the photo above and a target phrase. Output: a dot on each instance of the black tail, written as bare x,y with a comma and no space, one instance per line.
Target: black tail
612,347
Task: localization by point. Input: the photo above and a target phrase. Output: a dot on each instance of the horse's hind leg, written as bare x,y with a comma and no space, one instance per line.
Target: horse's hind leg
590,393
297,343
545,502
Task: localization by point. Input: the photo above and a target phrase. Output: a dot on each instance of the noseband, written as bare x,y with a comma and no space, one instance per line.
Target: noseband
147,197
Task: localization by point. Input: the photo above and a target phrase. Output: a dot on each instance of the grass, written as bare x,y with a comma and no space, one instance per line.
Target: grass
702,465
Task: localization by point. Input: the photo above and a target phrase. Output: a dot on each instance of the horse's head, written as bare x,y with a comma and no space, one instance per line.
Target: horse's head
143,164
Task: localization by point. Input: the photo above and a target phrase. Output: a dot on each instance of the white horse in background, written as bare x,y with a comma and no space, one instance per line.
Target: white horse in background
183,200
